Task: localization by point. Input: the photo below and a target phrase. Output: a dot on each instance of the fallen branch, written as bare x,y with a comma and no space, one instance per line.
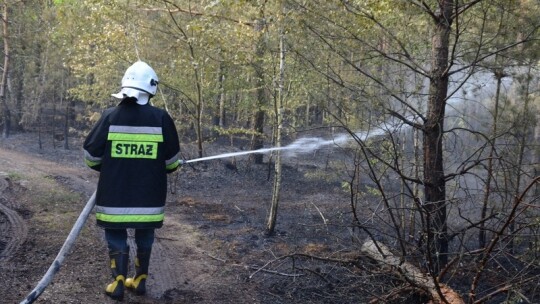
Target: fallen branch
439,293
256,268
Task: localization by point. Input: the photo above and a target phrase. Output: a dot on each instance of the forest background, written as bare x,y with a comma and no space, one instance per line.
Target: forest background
438,98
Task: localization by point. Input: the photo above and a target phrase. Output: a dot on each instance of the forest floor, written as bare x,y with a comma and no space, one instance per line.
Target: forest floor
212,247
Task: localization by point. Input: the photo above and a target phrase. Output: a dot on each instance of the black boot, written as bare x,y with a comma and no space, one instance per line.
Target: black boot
119,265
138,282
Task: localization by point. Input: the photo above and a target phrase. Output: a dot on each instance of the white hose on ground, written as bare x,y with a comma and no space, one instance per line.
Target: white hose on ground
57,263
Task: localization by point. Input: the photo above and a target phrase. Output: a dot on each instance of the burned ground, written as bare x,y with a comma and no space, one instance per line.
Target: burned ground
212,248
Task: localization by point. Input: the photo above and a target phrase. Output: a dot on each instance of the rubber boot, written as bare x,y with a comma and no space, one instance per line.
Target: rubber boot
119,265
138,282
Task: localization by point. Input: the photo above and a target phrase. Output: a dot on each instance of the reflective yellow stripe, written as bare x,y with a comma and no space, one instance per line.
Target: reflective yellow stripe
91,163
173,165
90,160
126,218
135,137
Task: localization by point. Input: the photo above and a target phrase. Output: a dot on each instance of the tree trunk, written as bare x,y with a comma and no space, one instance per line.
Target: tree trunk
40,98
487,190
416,188
199,102
258,121
221,105
199,109
40,125
278,111
66,125
523,133
53,123
3,100
15,93
69,106
435,185
219,115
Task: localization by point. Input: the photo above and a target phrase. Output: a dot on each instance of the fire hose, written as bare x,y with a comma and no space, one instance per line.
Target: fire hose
57,263
81,220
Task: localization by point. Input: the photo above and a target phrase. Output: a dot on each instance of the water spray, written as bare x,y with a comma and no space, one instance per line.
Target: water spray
300,146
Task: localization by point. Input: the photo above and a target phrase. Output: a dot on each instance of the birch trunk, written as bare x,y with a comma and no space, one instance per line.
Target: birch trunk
278,109
3,100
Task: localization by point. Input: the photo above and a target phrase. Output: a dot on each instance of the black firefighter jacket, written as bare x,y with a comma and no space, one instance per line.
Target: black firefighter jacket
134,147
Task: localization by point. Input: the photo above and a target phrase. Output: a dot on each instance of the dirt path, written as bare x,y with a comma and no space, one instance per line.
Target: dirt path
13,229
181,272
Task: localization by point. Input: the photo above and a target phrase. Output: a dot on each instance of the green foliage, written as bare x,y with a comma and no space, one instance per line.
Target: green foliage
234,131
14,176
96,46
334,58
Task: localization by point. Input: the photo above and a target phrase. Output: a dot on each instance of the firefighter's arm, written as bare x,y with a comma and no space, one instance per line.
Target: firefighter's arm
94,145
172,145
93,162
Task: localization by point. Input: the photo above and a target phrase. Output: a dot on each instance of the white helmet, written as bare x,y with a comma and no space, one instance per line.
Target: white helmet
139,81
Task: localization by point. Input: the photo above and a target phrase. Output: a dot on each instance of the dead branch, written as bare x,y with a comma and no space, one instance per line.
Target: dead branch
192,12
256,268
392,295
439,293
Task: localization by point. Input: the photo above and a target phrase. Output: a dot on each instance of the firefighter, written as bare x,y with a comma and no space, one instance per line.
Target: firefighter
133,146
